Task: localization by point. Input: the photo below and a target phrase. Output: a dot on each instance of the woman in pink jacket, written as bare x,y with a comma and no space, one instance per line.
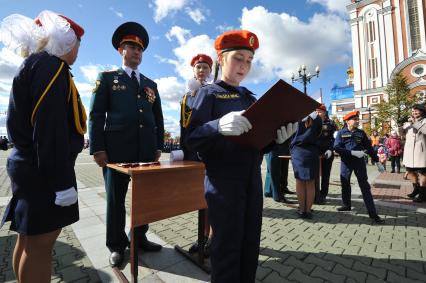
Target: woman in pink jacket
393,144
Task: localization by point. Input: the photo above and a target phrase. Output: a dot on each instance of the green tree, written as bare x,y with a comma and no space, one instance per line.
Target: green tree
339,124
398,105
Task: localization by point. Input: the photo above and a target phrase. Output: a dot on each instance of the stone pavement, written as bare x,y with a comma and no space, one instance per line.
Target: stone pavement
332,247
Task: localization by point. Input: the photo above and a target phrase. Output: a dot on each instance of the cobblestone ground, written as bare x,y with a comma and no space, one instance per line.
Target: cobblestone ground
332,247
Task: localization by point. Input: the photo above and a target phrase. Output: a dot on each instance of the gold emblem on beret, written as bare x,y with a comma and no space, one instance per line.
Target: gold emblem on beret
251,40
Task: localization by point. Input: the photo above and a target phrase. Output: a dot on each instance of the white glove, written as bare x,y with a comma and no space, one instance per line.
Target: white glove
285,132
380,167
358,153
328,154
234,124
66,197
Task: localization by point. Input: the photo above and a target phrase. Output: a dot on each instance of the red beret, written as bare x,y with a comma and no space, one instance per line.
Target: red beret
78,30
202,58
236,39
322,107
351,115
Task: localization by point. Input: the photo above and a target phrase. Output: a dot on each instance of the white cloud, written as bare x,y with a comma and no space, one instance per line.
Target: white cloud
223,28
91,71
333,5
9,64
171,124
179,33
117,13
171,91
188,48
164,7
84,89
196,15
286,42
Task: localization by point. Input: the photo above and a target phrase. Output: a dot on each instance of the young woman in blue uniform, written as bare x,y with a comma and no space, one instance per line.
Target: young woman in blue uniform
46,123
202,67
351,144
233,183
305,160
325,143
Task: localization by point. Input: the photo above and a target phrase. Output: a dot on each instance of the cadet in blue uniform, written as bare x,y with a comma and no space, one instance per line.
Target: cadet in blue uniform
305,160
351,144
202,66
325,143
47,136
125,125
233,183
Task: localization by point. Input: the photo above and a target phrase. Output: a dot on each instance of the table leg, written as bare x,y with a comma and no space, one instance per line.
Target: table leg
134,256
199,260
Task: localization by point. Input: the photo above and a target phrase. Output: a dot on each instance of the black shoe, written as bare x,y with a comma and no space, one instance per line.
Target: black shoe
194,248
415,192
308,215
116,259
288,192
393,171
344,208
321,201
267,195
376,219
207,247
419,199
148,246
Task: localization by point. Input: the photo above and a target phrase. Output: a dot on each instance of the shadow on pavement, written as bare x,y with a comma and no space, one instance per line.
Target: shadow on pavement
70,264
358,215
294,265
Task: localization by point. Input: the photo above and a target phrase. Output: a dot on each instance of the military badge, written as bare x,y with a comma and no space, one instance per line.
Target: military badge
251,41
114,87
97,84
150,94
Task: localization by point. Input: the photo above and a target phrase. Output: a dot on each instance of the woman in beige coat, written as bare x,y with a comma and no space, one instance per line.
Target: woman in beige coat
415,151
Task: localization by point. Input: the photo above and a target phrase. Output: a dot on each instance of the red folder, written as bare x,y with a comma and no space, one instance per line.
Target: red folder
280,105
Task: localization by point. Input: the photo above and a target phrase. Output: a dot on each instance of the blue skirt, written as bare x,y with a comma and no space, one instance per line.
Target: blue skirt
32,209
305,161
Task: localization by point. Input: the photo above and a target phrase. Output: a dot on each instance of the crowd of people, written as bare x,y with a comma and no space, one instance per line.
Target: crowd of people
46,124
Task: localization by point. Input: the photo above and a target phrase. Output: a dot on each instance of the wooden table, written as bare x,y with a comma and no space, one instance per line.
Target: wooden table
161,191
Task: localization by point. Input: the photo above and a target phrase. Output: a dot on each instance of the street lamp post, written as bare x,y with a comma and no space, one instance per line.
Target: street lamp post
304,77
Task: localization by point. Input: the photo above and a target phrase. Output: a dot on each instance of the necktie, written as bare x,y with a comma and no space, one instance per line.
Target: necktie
134,79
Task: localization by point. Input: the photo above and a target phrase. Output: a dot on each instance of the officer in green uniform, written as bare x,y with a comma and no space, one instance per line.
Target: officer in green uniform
125,125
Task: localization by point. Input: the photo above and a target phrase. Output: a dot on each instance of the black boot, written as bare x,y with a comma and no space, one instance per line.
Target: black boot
415,191
422,195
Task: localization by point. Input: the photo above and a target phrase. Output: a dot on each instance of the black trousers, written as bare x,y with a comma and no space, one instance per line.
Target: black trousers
396,160
116,185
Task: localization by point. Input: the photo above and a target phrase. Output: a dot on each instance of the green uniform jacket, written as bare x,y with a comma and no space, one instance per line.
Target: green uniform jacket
125,120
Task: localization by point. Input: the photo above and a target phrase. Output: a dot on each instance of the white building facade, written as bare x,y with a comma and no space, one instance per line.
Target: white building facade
388,36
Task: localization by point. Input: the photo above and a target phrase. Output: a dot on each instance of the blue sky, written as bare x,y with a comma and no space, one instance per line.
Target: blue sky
291,33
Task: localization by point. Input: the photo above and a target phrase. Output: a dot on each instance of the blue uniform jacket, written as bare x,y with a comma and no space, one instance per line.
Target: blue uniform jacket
221,156
49,148
125,120
346,141
326,139
185,114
